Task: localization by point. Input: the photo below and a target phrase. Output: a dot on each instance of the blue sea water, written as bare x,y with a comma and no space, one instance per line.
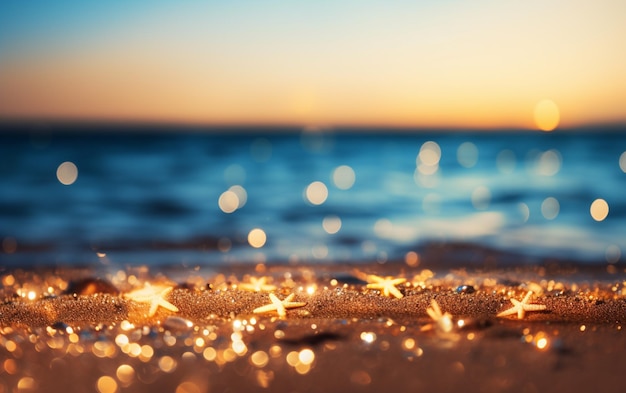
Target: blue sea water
153,196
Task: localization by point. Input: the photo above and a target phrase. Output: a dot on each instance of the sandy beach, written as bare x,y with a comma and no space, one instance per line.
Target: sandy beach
206,331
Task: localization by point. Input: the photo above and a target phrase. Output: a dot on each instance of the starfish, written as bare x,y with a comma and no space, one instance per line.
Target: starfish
257,285
387,285
521,307
443,321
280,306
155,295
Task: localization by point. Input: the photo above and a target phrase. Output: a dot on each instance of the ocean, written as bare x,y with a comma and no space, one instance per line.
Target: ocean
183,197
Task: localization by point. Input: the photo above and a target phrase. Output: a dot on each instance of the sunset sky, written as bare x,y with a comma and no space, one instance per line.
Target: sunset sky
443,63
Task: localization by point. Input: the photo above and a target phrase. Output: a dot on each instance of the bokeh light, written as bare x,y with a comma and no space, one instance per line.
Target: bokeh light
524,211
549,163
505,161
383,228
467,154
344,177
241,193
481,198
316,193
106,384
257,238
622,162
427,160
599,209
547,115
67,173
550,208
331,224
228,201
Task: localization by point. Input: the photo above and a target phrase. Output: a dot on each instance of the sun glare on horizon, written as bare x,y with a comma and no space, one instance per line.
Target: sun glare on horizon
440,64
547,115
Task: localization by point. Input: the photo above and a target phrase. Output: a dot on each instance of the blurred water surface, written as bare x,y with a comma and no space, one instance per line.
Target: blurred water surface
181,197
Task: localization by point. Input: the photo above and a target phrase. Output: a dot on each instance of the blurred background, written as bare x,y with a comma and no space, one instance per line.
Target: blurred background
205,133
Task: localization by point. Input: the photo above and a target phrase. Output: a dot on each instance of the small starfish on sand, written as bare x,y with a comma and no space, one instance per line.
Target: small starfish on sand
443,321
387,285
521,307
257,285
155,295
280,306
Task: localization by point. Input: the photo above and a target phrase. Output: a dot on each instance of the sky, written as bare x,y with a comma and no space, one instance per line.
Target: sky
429,63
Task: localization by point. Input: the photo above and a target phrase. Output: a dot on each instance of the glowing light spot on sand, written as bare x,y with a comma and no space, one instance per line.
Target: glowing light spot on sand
408,344
239,347
10,346
228,202
10,366
622,162
121,340
549,163
344,177
541,341
167,364
306,356
189,387
550,208
612,254
316,193
67,173
32,295
506,161
331,224
599,209
125,374
257,238
368,337
292,358
209,354
106,384
481,198
27,383
467,154
259,359
547,115
146,353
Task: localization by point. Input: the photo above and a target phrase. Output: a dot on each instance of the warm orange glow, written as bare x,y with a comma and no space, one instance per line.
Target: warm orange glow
257,238
599,209
400,65
547,115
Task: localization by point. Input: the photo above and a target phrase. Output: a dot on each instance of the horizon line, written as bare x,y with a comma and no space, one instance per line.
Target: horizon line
78,125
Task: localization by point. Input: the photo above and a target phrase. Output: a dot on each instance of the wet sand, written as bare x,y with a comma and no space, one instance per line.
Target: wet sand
77,329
